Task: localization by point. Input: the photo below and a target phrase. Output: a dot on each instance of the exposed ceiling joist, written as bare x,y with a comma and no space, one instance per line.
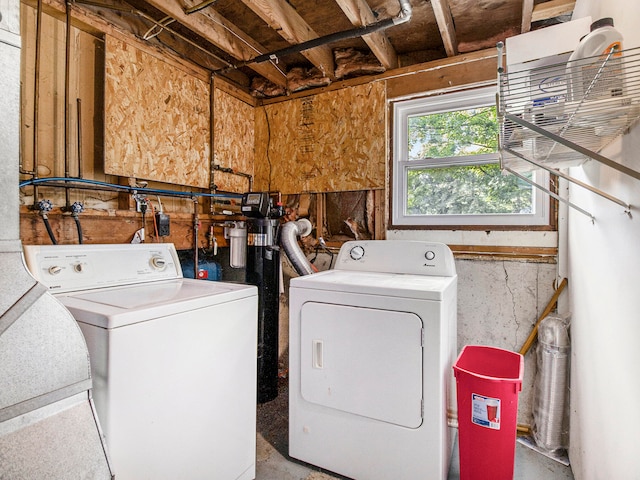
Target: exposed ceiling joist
552,9
238,38
527,12
216,29
283,18
360,14
442,11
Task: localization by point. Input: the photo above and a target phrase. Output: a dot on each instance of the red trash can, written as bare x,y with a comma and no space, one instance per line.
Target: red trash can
488,381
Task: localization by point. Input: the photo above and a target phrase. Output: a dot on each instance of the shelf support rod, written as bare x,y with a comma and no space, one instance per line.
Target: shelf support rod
574,146
552,194
555,172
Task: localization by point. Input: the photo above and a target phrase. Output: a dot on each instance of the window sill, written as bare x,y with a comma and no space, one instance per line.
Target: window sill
484,241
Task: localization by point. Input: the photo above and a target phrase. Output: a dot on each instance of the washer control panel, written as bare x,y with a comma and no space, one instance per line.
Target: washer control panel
397,256
64,268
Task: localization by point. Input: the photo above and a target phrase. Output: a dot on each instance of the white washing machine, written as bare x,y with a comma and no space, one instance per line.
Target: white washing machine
173,360
372,344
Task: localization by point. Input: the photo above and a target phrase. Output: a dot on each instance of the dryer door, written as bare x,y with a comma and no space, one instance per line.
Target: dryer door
363,361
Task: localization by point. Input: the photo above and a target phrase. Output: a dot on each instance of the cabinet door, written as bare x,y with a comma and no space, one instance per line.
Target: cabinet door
363,361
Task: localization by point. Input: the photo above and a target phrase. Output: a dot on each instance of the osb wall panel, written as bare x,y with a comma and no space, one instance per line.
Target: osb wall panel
334,141
157,119
234,140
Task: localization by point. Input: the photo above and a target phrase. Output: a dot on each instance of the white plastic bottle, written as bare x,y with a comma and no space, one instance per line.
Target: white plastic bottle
588,57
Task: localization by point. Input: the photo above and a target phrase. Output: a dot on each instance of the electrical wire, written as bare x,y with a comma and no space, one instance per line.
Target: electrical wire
266,117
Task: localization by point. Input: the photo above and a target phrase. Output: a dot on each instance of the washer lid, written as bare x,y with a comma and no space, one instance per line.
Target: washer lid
376,283
119,306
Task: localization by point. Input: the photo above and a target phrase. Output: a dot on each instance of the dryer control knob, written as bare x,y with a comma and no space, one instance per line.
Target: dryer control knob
78,267
430,255
54,269
158,262
357,252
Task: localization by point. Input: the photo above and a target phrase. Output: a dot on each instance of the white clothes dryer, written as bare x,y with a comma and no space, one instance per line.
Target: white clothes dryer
173,360
372,344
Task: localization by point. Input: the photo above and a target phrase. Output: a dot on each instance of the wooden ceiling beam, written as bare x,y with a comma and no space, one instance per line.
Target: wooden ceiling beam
442,11
283,18
360,14
552,9
219,31
527,11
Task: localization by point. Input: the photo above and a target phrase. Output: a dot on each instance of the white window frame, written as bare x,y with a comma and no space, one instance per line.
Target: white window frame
402,111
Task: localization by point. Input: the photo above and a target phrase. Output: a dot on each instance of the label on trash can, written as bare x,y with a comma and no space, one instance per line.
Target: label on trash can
485,411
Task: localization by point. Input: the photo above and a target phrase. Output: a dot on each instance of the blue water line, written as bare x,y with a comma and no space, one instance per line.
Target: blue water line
151,191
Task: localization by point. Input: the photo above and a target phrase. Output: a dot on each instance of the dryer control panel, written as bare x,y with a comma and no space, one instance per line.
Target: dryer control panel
397,256
66,268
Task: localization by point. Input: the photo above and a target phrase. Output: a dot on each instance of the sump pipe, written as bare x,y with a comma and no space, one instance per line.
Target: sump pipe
403,16
288,238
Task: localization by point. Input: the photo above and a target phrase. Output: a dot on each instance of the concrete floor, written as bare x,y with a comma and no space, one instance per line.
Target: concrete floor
274,463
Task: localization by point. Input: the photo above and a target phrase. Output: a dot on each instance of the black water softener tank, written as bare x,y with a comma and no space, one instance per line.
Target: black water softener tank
263,271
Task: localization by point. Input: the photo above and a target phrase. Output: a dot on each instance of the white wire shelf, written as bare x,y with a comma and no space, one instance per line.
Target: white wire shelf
563,115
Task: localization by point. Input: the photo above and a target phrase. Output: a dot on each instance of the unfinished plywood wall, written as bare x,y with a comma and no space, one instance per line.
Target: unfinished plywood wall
157,118
334,141
234,141
84,99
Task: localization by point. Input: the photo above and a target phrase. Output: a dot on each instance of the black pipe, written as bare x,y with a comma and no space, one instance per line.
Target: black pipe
36,98
79,121
403,17
321,41
67,88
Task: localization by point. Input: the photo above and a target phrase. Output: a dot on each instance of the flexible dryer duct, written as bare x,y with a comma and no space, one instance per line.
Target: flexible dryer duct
288,237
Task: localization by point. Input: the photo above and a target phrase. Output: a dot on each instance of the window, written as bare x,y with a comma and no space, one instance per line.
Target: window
446,166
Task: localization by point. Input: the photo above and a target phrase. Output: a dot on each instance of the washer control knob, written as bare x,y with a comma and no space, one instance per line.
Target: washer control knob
158,262
54,270
357,252
78,268
430,255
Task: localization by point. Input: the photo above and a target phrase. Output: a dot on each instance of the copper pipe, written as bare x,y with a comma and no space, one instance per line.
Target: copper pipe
212,184
36,99
79,120
67,87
